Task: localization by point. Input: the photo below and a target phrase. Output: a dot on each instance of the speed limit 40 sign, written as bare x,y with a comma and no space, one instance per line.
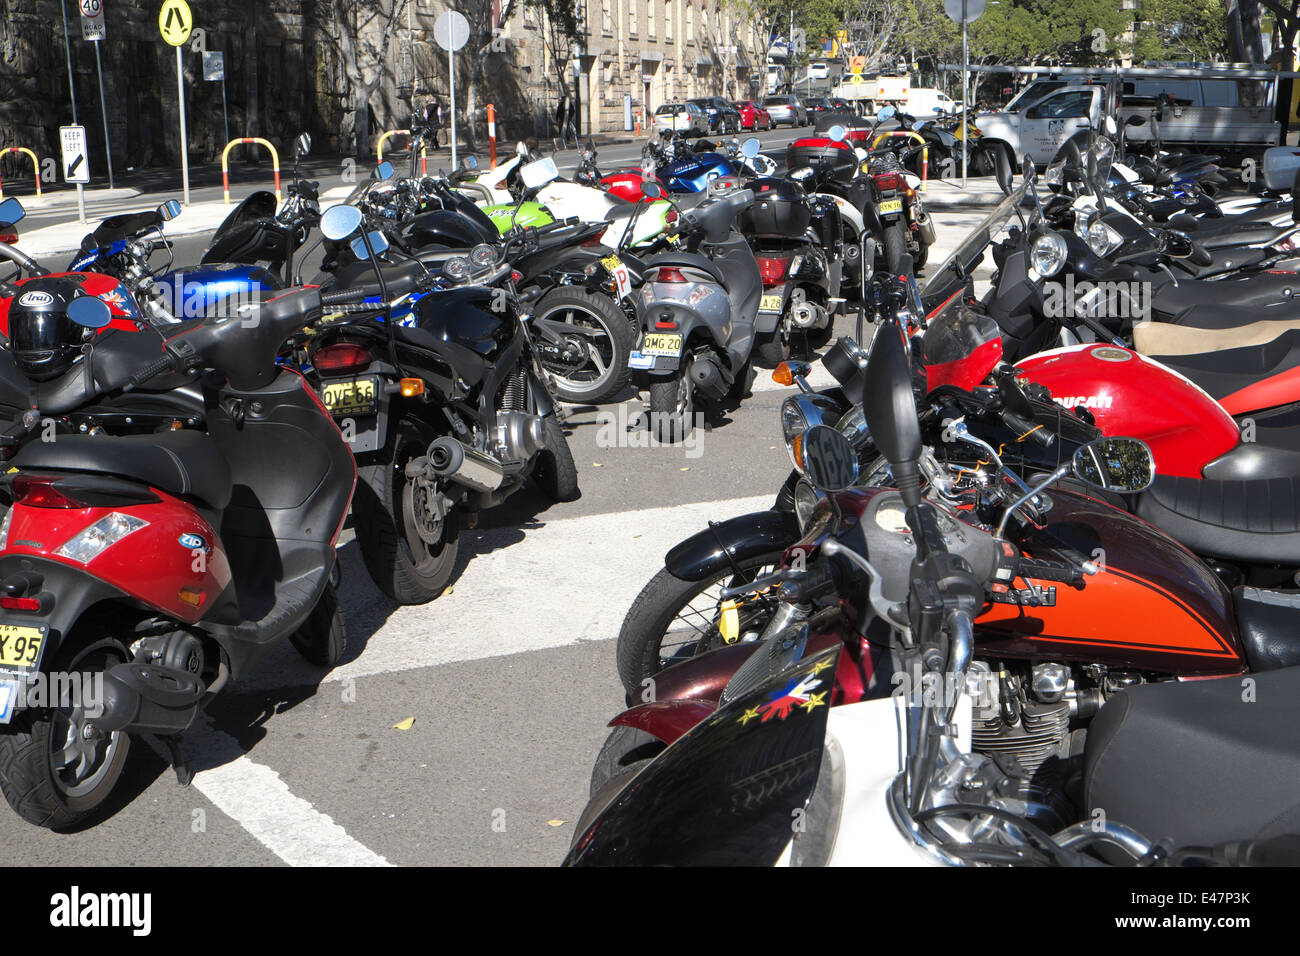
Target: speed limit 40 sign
92,20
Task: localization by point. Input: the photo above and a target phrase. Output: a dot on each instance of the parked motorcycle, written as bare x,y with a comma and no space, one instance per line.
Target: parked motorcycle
447,415
137,566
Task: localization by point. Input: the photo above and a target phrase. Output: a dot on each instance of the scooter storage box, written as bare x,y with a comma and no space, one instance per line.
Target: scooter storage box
780,209
1280,166
812,151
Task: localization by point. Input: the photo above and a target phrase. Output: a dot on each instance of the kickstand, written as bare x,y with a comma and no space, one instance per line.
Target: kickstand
182,767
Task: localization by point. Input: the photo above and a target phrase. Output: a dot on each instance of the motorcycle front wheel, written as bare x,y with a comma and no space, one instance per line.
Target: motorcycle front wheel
408,551
673,620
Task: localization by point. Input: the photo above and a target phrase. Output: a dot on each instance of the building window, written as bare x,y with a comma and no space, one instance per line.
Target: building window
631,17
650,18
668,20
606,20
690,22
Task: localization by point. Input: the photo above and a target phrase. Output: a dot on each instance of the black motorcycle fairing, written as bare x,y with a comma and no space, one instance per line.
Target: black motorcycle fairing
447,229
124,226
735,540
1195,763
722,795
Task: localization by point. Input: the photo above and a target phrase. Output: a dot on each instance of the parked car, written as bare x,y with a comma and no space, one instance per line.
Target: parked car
753,116
815,104
723,117
681,118
786,110
923,102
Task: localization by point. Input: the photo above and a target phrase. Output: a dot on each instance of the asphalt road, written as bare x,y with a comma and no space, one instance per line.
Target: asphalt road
509,677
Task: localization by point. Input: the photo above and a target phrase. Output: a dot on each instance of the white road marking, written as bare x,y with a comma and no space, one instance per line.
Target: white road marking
254,796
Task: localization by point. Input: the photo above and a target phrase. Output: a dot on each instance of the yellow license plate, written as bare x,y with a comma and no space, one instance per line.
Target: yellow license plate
611,262
359,397
891,205
20,646
769,303
658,344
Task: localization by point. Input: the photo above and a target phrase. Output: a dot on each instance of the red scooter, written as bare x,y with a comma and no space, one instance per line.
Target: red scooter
140,573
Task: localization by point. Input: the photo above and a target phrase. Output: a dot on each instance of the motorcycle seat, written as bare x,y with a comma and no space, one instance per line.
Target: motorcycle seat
1261,289
1269,622
1244,234
1245,379
186,463
1255,520
1166,338
1199,762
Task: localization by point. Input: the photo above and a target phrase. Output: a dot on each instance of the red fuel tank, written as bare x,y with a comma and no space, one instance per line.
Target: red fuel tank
1132,396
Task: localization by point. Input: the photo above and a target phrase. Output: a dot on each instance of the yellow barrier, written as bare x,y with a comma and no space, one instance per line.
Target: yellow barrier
225,162
925,153
379,149
36,167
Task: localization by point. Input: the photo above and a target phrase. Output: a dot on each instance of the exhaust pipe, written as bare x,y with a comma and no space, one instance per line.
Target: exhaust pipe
148,699
925,228
709,377
448,458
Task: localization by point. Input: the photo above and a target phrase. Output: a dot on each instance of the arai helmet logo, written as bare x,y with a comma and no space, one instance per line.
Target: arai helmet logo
35,298
192,541
1087,401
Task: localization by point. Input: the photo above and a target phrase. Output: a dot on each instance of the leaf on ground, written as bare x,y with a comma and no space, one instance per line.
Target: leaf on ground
555,823
406,724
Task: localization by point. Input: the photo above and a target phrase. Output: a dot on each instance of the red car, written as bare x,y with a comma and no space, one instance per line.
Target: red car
753,116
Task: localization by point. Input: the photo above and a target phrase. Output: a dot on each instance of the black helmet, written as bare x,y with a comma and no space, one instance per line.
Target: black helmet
43,340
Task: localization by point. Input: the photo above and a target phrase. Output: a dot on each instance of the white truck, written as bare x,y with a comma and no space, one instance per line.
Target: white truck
1204,114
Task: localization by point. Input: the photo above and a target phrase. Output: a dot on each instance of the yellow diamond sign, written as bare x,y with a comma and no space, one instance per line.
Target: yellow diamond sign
175,21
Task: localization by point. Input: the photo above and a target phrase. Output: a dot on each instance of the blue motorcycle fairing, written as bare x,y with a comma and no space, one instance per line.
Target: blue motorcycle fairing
694,173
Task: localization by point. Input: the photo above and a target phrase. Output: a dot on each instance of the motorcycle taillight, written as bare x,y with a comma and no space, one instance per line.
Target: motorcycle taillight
341,357
595,240
888,181
669,274
39,492
772,270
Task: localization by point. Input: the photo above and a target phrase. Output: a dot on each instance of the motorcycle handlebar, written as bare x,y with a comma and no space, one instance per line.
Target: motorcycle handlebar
22,260
344,297
150,371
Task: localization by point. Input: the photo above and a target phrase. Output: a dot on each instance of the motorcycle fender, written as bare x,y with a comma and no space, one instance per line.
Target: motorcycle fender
736,539
687,322
668,720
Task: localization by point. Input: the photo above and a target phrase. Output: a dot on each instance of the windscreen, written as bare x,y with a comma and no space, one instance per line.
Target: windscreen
967,256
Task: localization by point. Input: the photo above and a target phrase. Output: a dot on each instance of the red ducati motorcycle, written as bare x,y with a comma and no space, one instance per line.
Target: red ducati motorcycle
140,573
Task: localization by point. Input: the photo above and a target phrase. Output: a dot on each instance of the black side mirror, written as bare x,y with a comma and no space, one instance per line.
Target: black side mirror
890,409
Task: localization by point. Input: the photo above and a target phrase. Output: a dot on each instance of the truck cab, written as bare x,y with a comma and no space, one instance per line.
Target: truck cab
1041,128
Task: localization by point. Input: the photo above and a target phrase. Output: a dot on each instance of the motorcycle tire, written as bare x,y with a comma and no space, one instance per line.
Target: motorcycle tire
399,561
322,639
895,247
640,650
672,408
625,749
580,308
772,348
556,474
30,778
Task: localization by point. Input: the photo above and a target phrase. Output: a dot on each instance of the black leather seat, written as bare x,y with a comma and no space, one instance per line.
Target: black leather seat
1200,762
1255,521
1262,289
1269,622
186,463
1217,316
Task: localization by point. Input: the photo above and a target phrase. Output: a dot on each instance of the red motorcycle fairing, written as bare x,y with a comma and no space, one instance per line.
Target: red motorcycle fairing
1133,396
187,566
626,184
120,302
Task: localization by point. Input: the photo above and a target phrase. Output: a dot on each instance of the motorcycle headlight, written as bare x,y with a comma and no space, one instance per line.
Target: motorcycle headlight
1102,239
798,414
1047,254
92,542
483,256
1082,220
457,269
806,498
1055,174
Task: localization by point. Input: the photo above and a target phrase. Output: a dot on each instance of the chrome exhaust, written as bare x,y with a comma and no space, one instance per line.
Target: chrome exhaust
448,458
925,227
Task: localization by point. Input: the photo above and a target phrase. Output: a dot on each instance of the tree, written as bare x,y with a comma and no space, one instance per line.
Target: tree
1181,30
363,32
485,45
561,29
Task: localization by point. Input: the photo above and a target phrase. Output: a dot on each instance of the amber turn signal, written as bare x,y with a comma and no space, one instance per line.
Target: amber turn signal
412,387
783,374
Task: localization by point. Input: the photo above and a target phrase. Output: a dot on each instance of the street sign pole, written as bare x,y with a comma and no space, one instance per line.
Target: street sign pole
72,95
451,85
965,70
175,23
185,152
451,31
103,109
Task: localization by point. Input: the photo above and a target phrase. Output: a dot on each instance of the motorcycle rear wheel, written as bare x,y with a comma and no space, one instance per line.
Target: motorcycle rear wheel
672,408
402,564
322,639
40,751
605,331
